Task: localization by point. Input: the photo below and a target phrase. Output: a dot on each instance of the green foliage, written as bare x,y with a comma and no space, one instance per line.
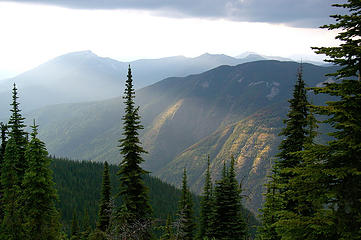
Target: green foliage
168,233
105,204
79,183
207,206
16,125
283,200
341,157
3,130
133,192
228,222
186,224
11,224
38,197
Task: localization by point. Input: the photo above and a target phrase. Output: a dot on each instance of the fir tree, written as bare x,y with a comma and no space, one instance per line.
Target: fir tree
187,227
3,129
16,126
281,197
341,157
104,207
133,192
74,231
168,231
41,219
11,224
228,220
207,206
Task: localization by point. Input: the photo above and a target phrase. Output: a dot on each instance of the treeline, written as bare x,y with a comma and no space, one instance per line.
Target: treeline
78,184
315,189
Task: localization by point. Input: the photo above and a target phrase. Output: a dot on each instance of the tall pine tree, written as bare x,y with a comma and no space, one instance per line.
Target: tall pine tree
280,196
41,219
105,204
228,221
11,224
17,132
3,130
207,206
12,172
341,157
187,226
133,192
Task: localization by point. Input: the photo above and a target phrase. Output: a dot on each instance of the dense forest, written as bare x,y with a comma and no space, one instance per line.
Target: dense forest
314,191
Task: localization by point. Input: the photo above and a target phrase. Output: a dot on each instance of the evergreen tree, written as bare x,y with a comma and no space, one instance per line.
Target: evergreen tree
74,231
228,223
104,207
11,224
280,196
3,129
341,157
187,226
16,126
207,206
133,192
41,219
168,231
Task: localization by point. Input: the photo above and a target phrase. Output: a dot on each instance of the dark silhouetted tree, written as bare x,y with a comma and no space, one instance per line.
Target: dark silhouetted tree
135,208
104,206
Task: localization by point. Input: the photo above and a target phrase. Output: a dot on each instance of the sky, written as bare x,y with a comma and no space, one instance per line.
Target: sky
34,31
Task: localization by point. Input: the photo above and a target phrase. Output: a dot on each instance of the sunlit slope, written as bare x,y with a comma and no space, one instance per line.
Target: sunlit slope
222,112
252,141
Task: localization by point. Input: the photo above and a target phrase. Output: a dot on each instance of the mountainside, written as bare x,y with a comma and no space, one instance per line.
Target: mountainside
222,112
84,76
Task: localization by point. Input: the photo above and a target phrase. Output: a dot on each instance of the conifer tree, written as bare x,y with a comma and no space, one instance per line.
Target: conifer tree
3,129
281,197
168,231
16,126
74,231
228,220
133,192
341,157
104,207
207,206
11,224
41,219
187,226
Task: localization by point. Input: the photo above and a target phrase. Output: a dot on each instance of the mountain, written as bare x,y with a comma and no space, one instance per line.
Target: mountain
253,55
84,76
229,110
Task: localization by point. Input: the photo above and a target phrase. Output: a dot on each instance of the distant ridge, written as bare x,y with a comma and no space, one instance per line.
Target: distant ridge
83,77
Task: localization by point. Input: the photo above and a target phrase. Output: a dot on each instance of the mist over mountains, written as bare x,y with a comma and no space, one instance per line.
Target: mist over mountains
227,111
84,77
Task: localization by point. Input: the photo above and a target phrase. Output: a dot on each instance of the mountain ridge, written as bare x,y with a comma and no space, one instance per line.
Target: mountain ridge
178,113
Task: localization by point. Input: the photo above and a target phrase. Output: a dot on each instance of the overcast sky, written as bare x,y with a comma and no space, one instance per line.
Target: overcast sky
34,31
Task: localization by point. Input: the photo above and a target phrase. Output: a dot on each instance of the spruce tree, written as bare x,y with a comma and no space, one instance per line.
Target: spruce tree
187,226
11,224
41,219
206,205
104,206
168,230
341,157
16,126
133,192
3,129
281,197
74,230
228,220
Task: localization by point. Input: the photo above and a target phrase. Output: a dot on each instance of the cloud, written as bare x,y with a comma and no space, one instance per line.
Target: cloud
297,13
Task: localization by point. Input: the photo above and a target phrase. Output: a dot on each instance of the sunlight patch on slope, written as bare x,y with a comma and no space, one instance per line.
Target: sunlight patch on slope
158,122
